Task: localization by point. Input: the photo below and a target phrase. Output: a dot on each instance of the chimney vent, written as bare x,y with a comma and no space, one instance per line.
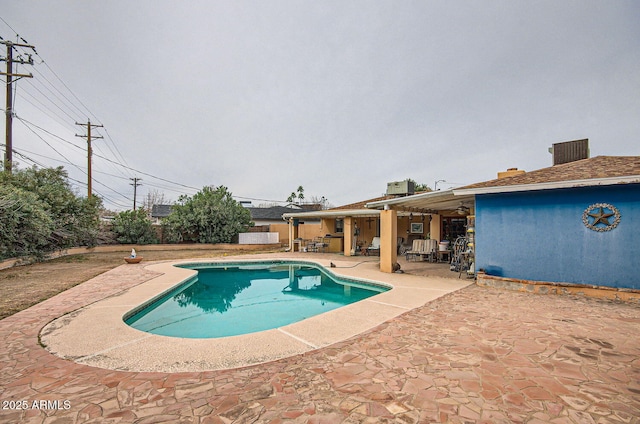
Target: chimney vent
510,172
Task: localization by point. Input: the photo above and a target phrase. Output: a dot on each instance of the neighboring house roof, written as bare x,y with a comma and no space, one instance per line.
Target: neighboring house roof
273,213
160,211
600,170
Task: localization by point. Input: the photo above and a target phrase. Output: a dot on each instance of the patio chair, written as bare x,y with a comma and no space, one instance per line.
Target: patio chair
416,250
374,247
430,248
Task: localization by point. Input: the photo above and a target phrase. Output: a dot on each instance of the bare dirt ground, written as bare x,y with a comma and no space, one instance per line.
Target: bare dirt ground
25,286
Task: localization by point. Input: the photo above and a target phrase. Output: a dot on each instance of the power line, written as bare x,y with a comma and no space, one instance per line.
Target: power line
71,118
69,102
7,147
42,108
68,105
111,200
64,162
48,132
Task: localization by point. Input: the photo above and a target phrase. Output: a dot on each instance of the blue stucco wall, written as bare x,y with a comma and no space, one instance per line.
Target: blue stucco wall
539,235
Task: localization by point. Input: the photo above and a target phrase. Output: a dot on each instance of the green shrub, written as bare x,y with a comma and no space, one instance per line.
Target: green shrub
40,213
134,227
210,216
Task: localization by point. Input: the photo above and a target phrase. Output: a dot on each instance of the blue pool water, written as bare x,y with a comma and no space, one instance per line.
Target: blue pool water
232,299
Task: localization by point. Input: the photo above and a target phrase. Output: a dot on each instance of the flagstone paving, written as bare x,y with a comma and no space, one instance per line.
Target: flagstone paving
477,355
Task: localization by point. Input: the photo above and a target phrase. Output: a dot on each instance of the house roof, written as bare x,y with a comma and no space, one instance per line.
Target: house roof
599,167
271,213
600,170
160,211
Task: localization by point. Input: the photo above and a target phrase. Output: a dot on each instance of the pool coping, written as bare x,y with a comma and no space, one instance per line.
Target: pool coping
115,345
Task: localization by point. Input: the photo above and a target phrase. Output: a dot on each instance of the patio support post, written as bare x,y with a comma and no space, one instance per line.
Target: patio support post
348,235
434,227
388,240
293,234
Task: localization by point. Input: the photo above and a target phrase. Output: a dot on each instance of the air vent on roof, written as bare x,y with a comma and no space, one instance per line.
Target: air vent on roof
510,173
570,151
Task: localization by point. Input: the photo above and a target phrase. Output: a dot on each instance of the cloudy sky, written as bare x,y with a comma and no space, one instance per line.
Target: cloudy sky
339,97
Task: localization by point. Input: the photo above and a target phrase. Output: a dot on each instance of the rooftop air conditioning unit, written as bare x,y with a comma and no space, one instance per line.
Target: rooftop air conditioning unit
401,188
570,151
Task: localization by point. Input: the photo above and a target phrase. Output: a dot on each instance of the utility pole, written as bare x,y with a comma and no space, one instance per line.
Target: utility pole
8,153
89,125
135,185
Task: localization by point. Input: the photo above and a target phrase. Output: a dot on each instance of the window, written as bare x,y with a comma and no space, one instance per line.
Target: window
452,228
339,225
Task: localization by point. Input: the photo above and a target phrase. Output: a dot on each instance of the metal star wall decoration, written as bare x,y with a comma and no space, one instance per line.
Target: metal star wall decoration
599,221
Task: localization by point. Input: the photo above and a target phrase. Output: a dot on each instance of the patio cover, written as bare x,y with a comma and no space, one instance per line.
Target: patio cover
429,202
331,213
432,202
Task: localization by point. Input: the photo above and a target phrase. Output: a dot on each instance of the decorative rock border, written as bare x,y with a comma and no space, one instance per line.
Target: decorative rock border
546,287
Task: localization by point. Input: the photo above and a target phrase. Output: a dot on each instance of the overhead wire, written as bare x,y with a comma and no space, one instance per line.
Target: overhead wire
51,114
68,108
48,144
81,183
122,158
71,118
48,132
82,170
62,161
69,102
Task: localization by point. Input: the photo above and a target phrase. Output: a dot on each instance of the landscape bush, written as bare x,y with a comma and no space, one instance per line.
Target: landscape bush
40,214
210,216
134,227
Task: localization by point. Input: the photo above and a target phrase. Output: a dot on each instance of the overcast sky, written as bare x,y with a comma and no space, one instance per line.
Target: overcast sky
340,97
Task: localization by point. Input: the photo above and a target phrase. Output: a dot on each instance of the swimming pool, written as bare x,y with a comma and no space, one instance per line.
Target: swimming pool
239,298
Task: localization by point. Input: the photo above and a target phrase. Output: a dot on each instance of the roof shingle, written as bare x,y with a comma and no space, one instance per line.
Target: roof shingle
585,169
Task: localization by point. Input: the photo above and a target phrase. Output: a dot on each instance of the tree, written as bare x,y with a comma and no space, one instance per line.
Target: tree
25,226
210,216
155,197
321,203
41,201
134,227
418,187
298,194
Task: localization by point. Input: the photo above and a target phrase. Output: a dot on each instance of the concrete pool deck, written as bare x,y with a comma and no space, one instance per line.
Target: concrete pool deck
477,354
96,334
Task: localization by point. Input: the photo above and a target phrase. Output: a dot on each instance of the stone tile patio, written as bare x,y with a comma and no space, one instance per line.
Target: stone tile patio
475,355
